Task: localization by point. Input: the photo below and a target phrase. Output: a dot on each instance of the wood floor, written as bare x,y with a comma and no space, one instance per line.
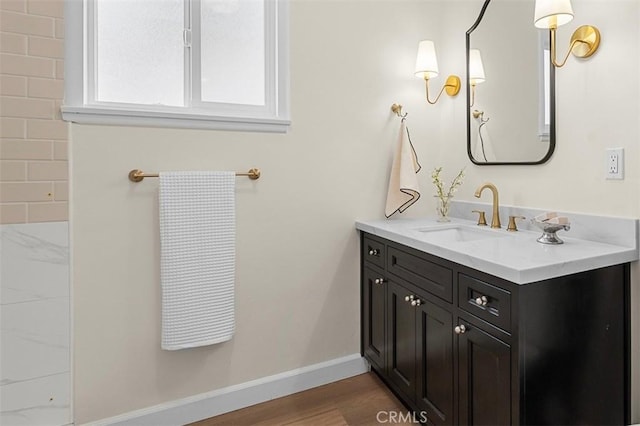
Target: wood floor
359,400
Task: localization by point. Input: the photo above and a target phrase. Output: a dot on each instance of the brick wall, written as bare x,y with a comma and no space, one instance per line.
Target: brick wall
33,137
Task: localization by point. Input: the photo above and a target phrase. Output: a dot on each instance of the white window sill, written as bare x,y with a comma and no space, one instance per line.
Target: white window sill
186,120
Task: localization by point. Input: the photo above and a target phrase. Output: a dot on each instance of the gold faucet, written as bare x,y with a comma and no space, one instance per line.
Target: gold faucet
495,220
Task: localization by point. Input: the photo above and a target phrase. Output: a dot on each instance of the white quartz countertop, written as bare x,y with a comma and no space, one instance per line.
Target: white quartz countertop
514,256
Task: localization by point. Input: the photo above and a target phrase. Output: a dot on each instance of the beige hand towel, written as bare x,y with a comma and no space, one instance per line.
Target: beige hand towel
403,182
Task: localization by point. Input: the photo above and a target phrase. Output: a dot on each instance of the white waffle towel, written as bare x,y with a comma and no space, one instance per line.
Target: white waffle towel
197,258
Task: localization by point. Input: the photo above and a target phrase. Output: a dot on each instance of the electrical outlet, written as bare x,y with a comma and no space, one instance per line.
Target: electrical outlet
614,163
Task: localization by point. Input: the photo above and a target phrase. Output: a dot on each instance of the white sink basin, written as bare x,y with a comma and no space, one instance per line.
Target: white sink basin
457,233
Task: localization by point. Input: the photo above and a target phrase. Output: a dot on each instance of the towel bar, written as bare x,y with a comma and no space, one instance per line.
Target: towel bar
137,175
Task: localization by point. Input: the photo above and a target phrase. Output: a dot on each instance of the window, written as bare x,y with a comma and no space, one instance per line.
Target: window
219,64
544,86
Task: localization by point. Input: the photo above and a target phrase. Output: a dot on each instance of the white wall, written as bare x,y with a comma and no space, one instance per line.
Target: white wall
297,256
598,107
297,284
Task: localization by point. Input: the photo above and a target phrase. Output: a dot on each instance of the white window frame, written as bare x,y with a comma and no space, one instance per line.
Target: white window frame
273,117
544,66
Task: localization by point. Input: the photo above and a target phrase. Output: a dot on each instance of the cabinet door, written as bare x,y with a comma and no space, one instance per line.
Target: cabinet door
401,344
373,318
435,363
484,366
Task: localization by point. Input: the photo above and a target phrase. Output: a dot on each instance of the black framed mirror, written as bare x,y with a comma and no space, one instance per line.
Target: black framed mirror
511,89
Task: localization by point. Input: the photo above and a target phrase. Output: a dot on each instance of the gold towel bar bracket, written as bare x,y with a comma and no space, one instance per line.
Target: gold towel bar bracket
137,175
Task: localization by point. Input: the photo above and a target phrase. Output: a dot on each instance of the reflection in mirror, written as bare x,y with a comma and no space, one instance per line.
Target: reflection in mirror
476,72
511,114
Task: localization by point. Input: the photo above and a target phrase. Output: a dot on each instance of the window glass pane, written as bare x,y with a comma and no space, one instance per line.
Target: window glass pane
547,88
140,51
233,51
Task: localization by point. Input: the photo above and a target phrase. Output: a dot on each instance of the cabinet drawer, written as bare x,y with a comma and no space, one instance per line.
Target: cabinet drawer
429,276
373,252
485,301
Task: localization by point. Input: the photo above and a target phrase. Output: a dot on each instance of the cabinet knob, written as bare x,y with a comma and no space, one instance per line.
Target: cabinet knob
482,301
460,329
416,302
373,252
379,281
408,298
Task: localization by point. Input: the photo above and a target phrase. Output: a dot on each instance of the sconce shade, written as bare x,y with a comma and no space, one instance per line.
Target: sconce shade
426,61
552,13
476,69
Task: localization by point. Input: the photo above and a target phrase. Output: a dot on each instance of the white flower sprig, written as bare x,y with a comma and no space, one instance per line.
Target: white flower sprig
455,183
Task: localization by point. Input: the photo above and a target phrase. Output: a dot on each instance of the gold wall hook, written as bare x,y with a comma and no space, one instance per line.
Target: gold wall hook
397,110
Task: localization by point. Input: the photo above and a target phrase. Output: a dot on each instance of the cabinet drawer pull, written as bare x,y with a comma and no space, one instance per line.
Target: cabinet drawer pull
409,298
373,252
482,301
460,329
416,302
379,280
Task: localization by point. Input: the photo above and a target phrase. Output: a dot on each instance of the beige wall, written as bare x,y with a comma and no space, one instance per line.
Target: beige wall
297,250
598,107
33,144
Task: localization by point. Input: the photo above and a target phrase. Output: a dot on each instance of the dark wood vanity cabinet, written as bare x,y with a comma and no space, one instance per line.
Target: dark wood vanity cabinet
374,338
459,346
484,392
420,350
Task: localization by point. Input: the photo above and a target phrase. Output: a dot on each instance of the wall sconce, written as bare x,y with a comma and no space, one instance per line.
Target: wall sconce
553,13
476,72
427,67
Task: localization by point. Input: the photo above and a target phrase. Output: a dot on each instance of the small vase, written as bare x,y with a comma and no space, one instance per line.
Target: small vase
442,208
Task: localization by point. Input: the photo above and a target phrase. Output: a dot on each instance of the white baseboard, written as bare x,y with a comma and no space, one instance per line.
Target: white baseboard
209,404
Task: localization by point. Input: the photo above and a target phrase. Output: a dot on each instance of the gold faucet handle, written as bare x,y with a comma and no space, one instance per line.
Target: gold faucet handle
512,223
482,220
